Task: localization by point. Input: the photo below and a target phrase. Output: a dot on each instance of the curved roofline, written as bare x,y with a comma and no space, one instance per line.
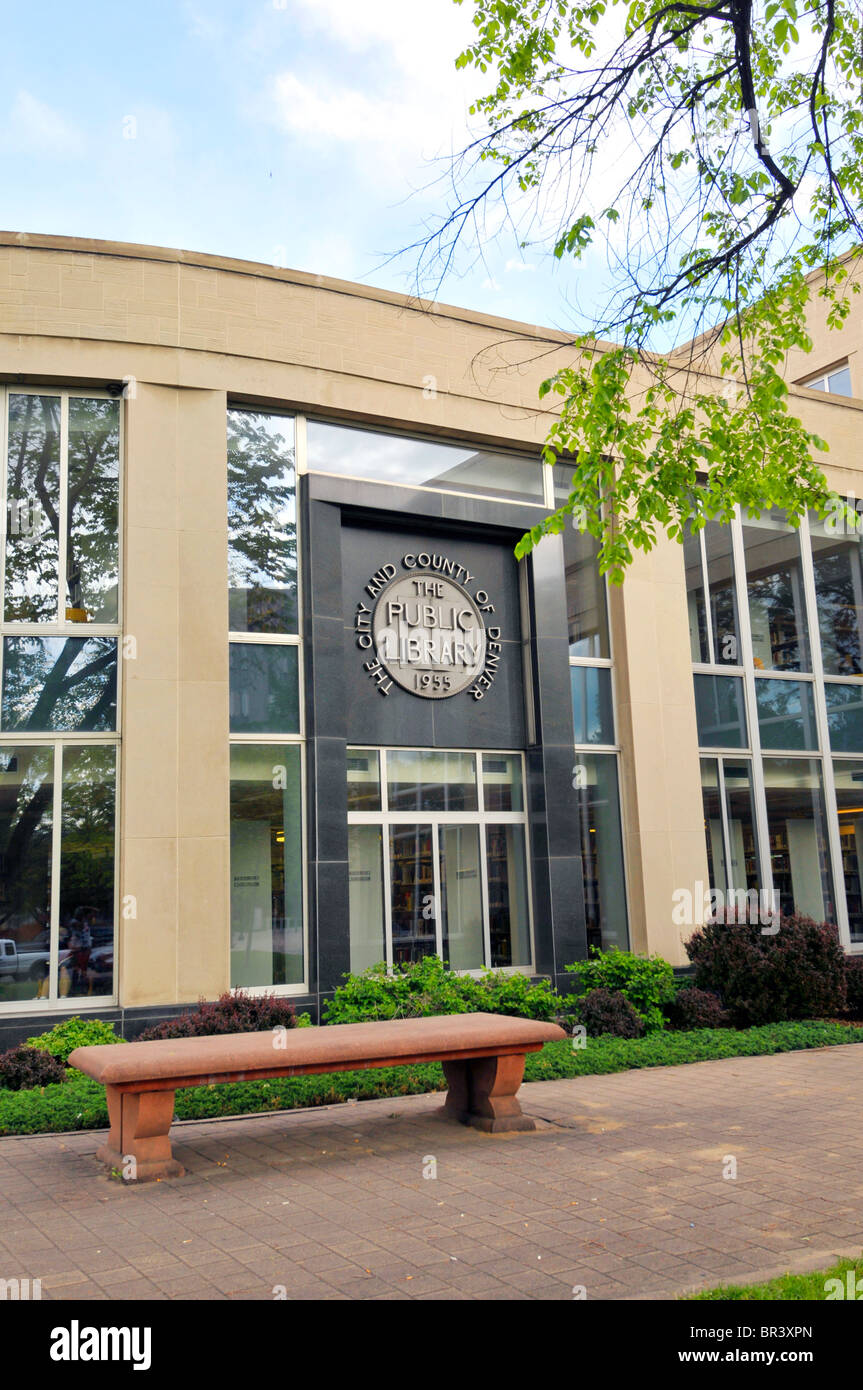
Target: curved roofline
128,250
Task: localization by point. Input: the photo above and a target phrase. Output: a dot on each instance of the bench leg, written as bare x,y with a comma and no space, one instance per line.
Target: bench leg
482,1093
139,1145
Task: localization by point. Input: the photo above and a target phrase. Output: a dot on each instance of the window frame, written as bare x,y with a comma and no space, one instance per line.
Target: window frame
822,754
298,739
385,819
57,740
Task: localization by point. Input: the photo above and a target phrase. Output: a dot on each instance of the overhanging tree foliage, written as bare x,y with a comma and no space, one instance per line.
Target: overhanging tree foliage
727,141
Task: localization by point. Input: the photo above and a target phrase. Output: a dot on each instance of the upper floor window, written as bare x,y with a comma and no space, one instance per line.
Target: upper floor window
262,523
392,458
62,509
837,382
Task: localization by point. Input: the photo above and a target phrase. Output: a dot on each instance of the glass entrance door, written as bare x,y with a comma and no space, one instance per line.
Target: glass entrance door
437,858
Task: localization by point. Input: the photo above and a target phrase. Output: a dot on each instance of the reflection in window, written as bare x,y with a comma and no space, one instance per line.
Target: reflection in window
775,588
586,605
428,780
66,684
845,716
798,837
26,815
595,785
33,509
848,777
786,714
839,593
501,782
92,555
266,865
729,824
720,712
724,629
392,458
265,693
86,962
364,781
592,714
262,524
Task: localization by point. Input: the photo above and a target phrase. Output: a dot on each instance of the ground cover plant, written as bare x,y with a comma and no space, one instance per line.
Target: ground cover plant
816,1286
79,1102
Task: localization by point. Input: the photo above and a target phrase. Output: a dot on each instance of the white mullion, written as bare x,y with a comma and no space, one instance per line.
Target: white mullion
54,926
486,910
436,835
828,782
726,835
758,787
301,457
62,539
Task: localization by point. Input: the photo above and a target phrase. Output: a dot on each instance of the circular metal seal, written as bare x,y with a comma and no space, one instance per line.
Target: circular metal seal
429,635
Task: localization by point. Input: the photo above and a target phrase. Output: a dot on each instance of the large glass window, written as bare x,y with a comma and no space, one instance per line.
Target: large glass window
595,783
57,807
709,564
836,563
774,583
848,780
262,523
797,828
59,676
720,711
62,507
586,600
391,458
437,858
267,848
729,824
267,938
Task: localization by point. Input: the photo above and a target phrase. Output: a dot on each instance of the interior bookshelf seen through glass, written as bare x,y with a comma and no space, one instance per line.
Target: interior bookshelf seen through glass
437,858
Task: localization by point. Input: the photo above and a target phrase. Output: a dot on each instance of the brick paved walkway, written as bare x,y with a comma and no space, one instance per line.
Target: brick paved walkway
621,1191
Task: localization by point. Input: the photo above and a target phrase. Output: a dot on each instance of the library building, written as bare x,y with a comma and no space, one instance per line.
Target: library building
278,703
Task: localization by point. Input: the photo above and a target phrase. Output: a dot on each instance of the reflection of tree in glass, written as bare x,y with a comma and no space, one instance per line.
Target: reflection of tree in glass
87,846
93,510
26,793
64,683
838,612
262,530
33,482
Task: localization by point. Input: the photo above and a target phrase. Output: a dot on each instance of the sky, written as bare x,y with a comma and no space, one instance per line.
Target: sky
310,134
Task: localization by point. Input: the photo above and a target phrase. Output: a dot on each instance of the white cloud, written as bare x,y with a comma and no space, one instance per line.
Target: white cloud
516,267
34,126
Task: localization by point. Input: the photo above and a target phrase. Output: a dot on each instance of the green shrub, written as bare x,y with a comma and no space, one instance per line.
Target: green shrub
797,972
79,1103
646,981
23,1067
64,1037
608,1012
426,987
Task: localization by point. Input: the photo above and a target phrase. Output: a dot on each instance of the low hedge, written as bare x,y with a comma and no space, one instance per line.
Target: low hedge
79,1102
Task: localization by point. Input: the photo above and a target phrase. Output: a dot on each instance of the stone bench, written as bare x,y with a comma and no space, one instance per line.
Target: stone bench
482,1055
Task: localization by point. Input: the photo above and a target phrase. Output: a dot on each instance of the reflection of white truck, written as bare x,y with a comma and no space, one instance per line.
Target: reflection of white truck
28,961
